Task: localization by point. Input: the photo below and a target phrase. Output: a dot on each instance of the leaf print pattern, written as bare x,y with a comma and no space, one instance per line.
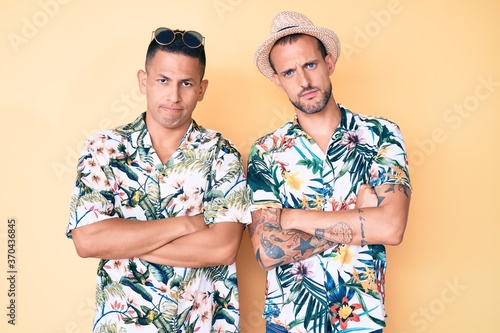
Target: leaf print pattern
342,288
120,175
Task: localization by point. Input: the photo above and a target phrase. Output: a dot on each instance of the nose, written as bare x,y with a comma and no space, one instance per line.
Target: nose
302,78
173,93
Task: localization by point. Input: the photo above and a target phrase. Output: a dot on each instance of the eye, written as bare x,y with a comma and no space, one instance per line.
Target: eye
311,65
163,80
287,73
186,84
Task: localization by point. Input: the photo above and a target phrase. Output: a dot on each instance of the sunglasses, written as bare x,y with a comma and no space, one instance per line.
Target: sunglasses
166,36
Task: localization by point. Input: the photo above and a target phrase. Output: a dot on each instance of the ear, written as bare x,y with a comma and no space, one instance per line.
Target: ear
330,64
203,89
277,82
142,78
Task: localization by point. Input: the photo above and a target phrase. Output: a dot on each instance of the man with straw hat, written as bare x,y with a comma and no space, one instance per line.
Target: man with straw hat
328,190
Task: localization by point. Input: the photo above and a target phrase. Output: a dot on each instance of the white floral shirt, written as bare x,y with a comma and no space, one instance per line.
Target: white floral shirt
120,175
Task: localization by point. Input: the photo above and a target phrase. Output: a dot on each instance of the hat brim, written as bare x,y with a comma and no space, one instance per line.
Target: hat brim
326,36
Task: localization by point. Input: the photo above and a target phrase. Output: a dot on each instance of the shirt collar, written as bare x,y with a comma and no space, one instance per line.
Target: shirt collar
140,130
295,128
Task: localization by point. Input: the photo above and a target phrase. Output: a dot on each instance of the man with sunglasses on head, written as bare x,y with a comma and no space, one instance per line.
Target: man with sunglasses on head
328,190
162,202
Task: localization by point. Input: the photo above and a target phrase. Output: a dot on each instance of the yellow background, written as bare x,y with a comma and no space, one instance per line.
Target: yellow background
69,68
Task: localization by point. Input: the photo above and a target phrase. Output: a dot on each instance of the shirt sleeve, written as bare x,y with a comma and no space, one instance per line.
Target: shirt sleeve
92,198
227,199
263,187
390,166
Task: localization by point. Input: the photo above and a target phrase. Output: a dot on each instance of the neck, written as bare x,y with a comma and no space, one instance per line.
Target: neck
164,140
320,126
325,121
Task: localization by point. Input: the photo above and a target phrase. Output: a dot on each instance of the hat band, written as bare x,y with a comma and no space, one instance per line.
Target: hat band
292,26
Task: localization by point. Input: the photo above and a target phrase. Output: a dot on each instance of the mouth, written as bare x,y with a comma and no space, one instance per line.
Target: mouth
308,94
168,108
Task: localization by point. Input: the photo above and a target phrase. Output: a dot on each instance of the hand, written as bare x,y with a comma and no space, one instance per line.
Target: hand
290,217
283,218
366,197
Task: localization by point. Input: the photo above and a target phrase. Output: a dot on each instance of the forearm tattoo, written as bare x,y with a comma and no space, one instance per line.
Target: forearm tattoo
259,219
392,188
342,232
282,246
338,233
362,227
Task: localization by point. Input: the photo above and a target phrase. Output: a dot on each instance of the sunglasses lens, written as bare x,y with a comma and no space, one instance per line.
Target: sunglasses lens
164,36
193,38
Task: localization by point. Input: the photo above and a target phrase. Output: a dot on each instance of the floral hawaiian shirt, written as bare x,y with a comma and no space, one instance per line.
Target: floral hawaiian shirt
342,288
120,175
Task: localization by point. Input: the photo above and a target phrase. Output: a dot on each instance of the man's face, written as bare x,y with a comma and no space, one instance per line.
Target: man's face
303,74
173,86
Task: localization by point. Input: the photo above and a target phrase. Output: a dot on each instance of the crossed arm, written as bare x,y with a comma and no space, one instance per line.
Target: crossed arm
180,241
282,236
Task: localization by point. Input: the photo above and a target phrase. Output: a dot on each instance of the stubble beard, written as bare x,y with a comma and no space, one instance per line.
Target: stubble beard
313,108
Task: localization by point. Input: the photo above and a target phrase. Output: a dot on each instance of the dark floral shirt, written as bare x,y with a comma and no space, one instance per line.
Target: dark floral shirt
341,289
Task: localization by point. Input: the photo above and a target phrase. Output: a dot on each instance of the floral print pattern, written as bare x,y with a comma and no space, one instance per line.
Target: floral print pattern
120,175
341,289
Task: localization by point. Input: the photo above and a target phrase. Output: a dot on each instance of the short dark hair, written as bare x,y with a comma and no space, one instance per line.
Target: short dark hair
289,39
178,47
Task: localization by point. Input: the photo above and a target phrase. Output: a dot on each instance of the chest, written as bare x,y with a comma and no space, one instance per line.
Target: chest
309,178
145,188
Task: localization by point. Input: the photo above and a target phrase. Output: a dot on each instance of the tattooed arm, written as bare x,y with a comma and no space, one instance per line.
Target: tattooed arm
367,224
275,245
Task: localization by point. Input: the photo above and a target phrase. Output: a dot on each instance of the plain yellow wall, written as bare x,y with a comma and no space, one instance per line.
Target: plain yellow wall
69,68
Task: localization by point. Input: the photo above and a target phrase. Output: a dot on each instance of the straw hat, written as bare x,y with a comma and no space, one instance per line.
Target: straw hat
288,23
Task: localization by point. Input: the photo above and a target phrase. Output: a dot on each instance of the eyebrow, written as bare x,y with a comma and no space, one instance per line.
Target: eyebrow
286,71
163,76
315,61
